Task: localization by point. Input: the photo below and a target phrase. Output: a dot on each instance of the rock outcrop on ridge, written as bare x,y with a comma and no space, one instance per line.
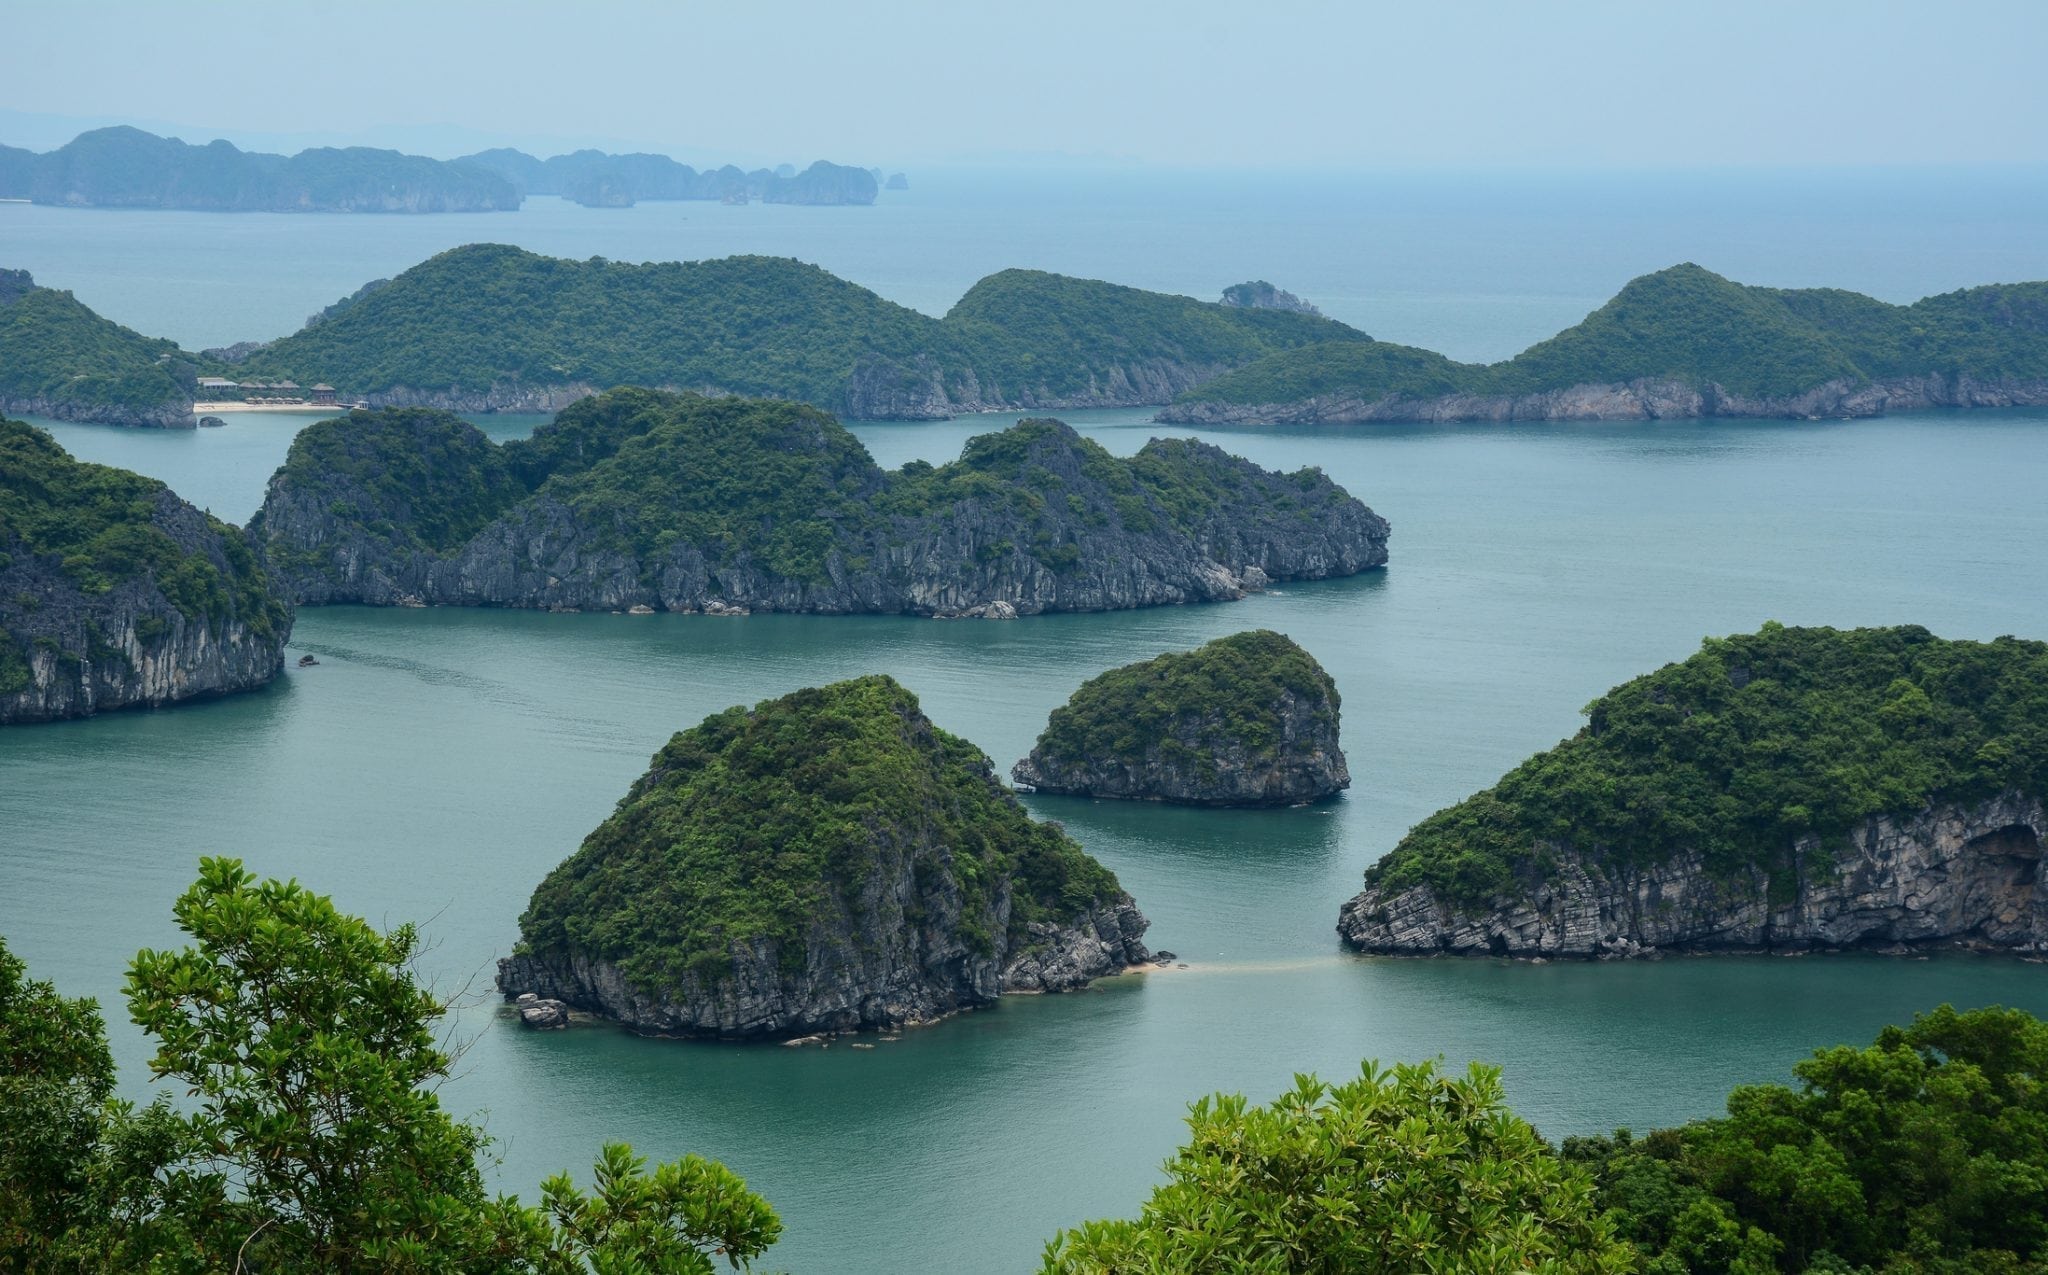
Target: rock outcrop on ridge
683,503
114,593
829,861
1789,790
1247,720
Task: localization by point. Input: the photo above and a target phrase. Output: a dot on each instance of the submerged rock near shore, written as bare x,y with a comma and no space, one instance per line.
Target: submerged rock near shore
115,594
1247,720
640,498
1789,790
830,861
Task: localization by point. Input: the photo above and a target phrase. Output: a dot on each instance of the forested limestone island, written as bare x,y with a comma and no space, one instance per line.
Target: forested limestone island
1786,790
489,327
597,180
114,593
825,862
646,499
59,359
1683,342
1246,720
124,167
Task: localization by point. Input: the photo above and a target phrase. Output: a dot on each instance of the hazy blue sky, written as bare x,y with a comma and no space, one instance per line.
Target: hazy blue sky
1456,83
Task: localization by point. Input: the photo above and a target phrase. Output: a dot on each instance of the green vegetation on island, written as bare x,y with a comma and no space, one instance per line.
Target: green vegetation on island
1738,752
124,167
1695,329
490,319
1248,719
746,829
100,567
58,358
312,1140
644,497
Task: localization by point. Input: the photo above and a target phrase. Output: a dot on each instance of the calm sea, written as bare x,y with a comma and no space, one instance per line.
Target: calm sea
437,763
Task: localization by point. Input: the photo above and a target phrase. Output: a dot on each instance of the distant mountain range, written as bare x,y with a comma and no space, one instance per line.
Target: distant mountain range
125,167
494,328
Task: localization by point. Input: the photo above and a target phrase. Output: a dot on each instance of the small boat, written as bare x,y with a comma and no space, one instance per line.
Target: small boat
307,661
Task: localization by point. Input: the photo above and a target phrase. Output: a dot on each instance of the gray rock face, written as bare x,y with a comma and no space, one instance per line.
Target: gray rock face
1260,295
894,956
970,560
158,416
1644,400
1949,876
129,647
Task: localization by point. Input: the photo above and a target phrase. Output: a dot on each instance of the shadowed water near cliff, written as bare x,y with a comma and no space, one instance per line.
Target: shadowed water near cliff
437,763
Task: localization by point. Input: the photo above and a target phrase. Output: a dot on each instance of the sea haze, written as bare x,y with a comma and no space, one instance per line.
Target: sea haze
1476,267
437,763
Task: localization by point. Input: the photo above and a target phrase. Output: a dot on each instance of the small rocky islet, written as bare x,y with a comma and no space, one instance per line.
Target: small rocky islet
1789,790
1246,720
825,862
680,502
114,593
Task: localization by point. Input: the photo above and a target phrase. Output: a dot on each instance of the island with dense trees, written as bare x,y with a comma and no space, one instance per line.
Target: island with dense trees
115,594
641,498
829,861
124,167
59,359
1682,342
1791,789
313,1140
490,327
1246,720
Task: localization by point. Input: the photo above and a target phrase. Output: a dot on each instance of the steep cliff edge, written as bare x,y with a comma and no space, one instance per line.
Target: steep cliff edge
1791,789
114,593
828,861
682,503
1246,720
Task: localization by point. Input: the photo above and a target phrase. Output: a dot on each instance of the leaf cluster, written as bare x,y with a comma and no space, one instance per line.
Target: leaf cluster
1925,1153
1397,1172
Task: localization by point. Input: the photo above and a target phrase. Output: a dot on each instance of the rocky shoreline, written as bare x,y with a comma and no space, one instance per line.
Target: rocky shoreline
163,416
1949,876
1642,400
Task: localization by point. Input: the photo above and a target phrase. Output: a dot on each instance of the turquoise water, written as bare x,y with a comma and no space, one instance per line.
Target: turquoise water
1476,267
437,763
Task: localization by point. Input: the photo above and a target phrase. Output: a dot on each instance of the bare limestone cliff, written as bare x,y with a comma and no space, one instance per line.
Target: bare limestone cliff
114,593
827,862
1247,720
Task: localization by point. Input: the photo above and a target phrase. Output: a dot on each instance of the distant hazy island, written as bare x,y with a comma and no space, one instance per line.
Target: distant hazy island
828,861
597,180
114,593
1246,720
1790,789
125,167
638,499
493,328
1682,342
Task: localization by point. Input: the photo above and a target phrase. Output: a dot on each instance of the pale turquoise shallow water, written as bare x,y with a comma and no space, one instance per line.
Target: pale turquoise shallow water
437,763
